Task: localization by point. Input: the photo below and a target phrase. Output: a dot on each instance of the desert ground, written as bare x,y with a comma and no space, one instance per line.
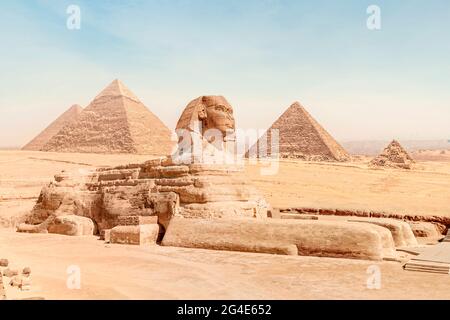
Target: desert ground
128,272
424,190
154,272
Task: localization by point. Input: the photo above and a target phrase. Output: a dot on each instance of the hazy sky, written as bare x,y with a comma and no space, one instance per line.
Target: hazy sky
260,54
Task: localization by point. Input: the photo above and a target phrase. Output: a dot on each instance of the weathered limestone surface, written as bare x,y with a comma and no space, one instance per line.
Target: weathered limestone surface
301,137
72,225
393,156
36,228
425,229
134,234
137,220
22,282
9,273
190,195
70,116
441,223
318,238
401,231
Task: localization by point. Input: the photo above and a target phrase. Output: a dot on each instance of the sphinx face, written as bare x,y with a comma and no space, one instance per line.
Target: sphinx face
220,115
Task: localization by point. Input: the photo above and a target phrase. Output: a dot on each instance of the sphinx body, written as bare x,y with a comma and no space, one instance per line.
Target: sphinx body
188,184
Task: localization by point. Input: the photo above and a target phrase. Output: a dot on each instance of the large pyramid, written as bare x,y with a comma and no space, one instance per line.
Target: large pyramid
114,122
301,137
71,115
393,156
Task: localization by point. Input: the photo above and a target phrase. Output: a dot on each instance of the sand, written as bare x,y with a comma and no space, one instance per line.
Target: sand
421,191
153,272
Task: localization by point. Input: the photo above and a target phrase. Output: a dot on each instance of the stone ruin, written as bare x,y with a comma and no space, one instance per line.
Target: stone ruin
300,137
17,279
422,226
197,200
393,156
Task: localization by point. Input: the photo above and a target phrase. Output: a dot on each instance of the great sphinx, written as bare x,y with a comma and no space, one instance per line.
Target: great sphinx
197,197
196,181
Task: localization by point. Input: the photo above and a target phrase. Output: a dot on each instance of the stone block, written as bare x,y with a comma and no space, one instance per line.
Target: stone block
10,272
148,234
21,282
30,228
129,201
72,225
4,262
274,214
224,209
175,182
136,220
165,172
136,235
425,229
298,216
26,271
123,174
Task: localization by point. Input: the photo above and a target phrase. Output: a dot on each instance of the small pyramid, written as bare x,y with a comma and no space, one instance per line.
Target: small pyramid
71,115
302,137
393,156
116,121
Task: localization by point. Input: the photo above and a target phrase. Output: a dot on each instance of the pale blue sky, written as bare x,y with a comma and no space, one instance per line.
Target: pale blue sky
260,54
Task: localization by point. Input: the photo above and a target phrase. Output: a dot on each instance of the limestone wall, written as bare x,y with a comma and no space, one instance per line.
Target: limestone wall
441,222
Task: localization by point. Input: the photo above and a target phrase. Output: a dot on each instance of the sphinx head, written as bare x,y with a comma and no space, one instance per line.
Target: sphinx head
210,112
217,113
